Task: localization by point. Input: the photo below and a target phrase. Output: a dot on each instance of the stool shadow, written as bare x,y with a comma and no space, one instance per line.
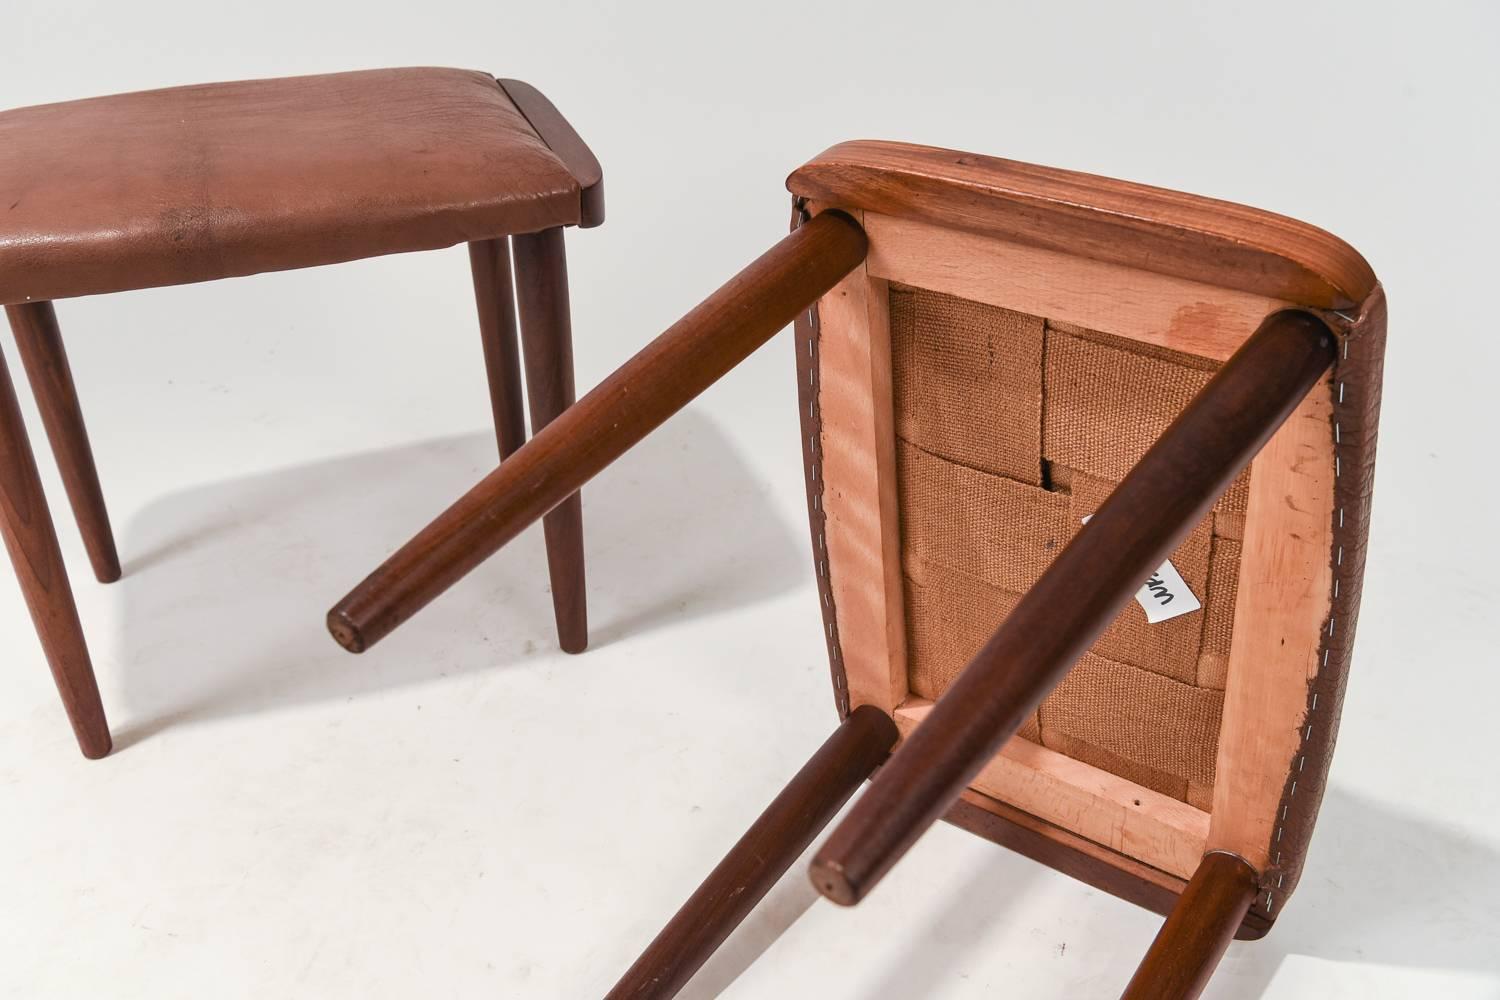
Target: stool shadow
226,585
787,901
1382,887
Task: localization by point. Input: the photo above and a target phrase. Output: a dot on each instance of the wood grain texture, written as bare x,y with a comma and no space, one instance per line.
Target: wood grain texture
1186,951
691,355
565,142
494,298
771,845
1205,240
1147,306
40,343
1109,810
1147,515
547,335
1285,581
857,450
31,541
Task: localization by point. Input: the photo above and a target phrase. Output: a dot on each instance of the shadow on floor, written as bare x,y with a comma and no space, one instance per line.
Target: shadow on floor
227,585
791,897
1381,888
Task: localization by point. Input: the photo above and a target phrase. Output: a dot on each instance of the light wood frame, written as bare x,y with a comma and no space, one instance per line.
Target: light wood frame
1284,571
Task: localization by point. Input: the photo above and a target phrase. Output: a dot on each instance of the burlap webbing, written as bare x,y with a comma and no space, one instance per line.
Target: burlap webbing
1157,781
949,616
991,528
992,404
1171,647
944,382
1106,404
1135,714
1163,724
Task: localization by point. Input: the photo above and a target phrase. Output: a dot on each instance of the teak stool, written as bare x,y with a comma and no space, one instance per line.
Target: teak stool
192,184
989,353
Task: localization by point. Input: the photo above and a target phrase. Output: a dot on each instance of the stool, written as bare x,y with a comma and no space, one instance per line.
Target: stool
1089,470
192,184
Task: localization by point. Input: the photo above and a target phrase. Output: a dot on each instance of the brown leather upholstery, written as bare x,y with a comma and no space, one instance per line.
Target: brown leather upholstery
195,183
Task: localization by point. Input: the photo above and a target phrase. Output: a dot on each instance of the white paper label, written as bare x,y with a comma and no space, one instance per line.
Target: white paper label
1165,595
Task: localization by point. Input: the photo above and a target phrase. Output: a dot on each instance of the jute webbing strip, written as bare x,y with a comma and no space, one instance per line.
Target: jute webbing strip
990,404
1158,781
1105,406
1139,716
1171,647
1143,717
949,616
991,528
968,383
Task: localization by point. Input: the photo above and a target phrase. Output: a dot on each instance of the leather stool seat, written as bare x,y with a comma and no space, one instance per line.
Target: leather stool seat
188,184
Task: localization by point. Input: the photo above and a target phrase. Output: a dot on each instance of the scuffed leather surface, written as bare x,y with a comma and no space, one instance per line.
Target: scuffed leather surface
806,331
1355,389
196,183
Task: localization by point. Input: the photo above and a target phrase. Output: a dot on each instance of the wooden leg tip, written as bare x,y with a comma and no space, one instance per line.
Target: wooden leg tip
831,881
344,632
96,746
574,643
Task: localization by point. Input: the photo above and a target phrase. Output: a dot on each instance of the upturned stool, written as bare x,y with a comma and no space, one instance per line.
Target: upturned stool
1089,470
190,184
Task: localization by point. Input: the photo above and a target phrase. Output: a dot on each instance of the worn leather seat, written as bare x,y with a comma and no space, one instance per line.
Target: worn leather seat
189,184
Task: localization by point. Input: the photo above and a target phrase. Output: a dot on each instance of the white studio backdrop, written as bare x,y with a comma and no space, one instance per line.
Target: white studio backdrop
467,812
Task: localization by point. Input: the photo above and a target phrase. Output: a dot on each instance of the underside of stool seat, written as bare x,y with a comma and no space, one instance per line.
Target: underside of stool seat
1017,340
1026,396
189,184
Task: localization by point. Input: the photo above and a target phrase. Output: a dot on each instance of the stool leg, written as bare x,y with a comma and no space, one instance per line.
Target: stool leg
546,332
489,260
667,374
32,543
771,846
1188,947
41,347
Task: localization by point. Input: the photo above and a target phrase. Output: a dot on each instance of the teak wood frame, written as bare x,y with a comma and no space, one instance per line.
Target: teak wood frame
1285,540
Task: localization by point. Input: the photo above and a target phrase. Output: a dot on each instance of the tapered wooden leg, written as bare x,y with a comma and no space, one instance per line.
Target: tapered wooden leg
41,347
547,333
1186,951
668,373
32,543
771,845
489,260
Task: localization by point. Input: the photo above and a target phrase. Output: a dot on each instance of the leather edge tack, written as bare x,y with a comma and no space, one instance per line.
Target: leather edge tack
1355,391
807,331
